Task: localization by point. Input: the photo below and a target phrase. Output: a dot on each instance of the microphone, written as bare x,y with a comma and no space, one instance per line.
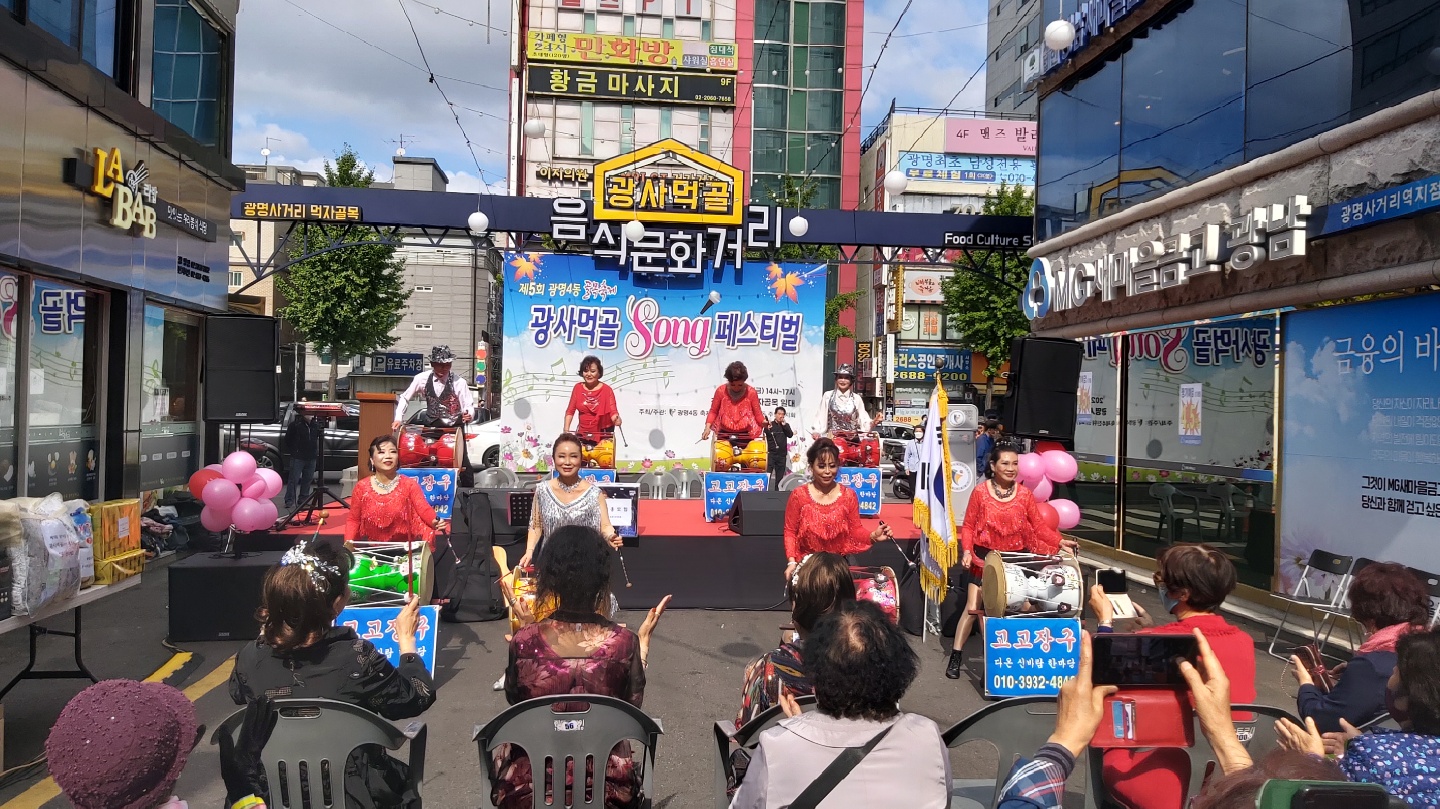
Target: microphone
714,299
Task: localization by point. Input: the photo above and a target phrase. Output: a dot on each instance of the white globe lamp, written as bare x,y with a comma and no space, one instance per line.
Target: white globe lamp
534,128
896,182
799,226
634,230
1059,35
478,223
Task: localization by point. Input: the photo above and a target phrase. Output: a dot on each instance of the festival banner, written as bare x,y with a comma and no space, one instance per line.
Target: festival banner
377,625
438,486
664,348
1361,443
866,483
1029,656
721,489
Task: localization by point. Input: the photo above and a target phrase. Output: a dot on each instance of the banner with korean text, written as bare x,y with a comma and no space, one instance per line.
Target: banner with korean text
1361,444
663,346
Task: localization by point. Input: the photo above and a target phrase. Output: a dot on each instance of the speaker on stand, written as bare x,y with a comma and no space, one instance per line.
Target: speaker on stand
242,355
1043,385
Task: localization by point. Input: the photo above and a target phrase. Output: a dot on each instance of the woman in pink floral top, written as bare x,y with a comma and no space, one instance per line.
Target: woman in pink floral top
574,651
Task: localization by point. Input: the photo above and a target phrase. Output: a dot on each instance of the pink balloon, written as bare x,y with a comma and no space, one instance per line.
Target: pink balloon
1068,511
214,466
255,487
1042,490
214,519
238,467
220,494
274,484
1032,469
272,513
249,515
1060,465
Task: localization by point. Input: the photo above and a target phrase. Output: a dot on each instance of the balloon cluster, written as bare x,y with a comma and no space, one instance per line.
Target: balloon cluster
1039,472
237,493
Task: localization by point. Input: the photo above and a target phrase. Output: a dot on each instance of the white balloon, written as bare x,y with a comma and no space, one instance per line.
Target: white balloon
478,223
896,182
799,226
1059,35
534,128
634,230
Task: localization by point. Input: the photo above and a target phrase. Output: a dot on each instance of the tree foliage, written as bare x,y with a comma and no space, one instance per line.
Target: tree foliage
797,193
345,302
986,312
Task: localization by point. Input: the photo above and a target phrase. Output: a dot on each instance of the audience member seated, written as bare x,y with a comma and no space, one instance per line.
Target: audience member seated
822,583
1388,601
1193,581
861,665
1406,762
574,650
301,653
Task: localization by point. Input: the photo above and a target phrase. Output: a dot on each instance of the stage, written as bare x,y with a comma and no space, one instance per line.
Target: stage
702,564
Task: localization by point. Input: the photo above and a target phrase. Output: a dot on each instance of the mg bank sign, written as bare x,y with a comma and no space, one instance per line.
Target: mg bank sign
1093,18
1262,235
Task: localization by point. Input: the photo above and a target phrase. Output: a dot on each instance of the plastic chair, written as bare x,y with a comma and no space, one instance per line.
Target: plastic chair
496,477
745,738
793,481
579,736
691,484
1232,515
1014,727
312,739
1304,594
659,485
1432,585
1171,516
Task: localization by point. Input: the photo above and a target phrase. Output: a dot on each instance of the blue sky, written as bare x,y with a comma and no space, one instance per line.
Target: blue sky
305,78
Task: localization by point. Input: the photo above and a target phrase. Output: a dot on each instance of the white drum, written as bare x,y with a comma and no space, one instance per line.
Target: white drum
1030,584
1057,589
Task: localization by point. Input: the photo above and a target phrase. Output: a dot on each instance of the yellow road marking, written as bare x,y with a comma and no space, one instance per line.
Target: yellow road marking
47,790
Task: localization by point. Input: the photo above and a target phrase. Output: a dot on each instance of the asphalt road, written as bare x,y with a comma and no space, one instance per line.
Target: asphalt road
697,660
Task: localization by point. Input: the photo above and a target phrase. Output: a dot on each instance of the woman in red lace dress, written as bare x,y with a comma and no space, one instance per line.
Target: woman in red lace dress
824,516
1002,516
594,401
387,506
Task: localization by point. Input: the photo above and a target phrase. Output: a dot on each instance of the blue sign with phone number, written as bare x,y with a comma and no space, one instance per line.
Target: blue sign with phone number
438,485
1029,656
866,483
377,625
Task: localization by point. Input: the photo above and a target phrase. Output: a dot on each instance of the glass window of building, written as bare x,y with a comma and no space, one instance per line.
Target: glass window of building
770,108
801,33
63,405
629,26
772,20
667,122
824,110
1080,134
797,156
190,71
1181,125
667,27
797,111
772,64
705,30
824,154
827,23
825,69
587,128
800,67
591,22
769,153
627,128
171,347
89,26
704,145
1097,432
10,303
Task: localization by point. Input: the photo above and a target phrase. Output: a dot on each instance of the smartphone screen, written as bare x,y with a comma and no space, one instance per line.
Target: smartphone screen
1279,794
1123,659
1112,580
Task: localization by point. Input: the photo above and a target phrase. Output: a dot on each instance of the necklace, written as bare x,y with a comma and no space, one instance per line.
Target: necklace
1001,494
384,488
568,487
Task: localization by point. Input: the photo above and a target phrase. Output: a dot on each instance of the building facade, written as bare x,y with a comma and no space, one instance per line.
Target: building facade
114,205
952,160
1192,223
1012,60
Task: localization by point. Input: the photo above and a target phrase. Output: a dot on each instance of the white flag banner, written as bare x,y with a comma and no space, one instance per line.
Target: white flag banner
933,510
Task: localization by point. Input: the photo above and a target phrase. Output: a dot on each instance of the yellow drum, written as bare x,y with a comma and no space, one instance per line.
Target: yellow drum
600,455
754,457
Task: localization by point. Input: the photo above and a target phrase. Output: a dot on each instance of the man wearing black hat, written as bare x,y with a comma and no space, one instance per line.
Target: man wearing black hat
447,396
841,410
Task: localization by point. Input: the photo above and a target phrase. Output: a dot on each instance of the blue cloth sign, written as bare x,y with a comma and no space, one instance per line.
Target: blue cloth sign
721,489
866,483
438,486
377,625
1029,656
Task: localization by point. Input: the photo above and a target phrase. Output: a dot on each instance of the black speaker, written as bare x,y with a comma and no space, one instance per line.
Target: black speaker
241,353
1044,378
215,597
759,514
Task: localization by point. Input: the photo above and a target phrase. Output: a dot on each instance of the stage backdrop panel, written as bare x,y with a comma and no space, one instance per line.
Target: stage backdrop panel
662,355
1361,444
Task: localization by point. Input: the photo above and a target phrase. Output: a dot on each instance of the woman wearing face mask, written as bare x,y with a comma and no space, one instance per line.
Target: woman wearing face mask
824,516
1193,581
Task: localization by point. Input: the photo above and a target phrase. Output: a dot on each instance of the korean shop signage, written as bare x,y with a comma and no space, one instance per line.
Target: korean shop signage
668,182
630,51
135,204
1091,19
631,85
1265,234
300,210
681,251
566,174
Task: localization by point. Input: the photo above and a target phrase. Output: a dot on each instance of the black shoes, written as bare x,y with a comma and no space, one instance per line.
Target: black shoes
952,670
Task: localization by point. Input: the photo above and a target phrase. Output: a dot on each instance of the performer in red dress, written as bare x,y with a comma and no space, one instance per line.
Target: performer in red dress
594,401
387,506
823,515
735,408
1002,516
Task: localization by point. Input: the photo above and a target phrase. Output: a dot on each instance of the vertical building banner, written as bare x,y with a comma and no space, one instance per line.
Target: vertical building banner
1361,433
664,348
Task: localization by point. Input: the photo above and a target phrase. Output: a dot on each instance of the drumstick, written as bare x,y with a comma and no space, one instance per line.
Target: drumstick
319,525
623,568
623,439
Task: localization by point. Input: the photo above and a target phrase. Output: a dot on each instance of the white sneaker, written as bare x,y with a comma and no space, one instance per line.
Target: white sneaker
499,684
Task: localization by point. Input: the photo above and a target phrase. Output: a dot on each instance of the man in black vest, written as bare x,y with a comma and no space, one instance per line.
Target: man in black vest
447,396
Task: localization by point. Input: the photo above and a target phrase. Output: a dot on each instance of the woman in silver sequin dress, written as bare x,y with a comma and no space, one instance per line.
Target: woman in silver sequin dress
567,499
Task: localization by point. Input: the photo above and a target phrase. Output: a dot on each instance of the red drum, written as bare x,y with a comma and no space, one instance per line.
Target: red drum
427,446
858,449
878,585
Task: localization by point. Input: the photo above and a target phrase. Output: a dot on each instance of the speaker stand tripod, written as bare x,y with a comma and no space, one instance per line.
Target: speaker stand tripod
318,496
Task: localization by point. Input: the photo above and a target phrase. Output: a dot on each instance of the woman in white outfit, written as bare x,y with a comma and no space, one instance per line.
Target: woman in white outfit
841,409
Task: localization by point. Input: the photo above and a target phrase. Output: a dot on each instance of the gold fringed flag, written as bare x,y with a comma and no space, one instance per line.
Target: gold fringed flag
933,515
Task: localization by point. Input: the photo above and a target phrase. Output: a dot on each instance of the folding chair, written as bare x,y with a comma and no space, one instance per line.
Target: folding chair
1307,593
1432,585
658,485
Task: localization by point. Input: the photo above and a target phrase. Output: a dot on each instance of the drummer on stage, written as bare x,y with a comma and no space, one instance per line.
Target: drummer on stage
735,408
1002,516
841,410
824,515
447,398
594,403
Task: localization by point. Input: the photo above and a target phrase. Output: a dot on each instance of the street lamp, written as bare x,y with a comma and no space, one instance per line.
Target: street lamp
1059,35
478,223
634,230
534,128
896,182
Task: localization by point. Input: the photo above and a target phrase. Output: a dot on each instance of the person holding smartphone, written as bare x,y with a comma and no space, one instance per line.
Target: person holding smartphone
1193,581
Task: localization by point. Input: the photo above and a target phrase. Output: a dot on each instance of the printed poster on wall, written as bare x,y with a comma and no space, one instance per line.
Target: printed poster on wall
1097,410
1084,394
663,356
1192,398
1362,433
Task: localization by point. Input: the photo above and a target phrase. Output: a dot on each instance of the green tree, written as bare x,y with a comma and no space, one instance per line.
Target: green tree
987,312
799,192
345,302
